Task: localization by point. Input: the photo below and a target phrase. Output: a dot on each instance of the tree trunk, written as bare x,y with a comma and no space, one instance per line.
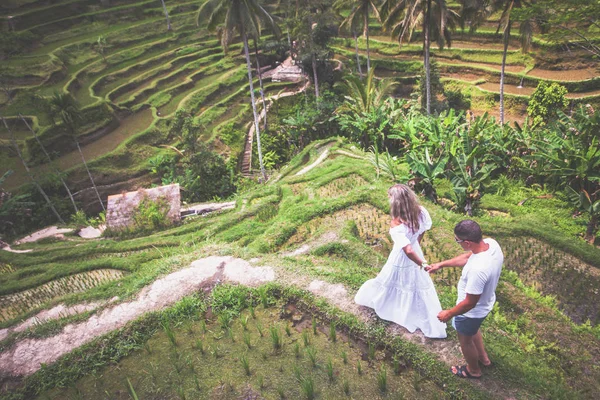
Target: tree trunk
427,67
166,15
89,173
357,58
591,228
256,127
56,171
260,82
315,75
367,35
37,185
506,40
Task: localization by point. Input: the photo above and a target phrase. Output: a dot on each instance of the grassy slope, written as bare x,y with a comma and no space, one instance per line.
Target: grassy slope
535,347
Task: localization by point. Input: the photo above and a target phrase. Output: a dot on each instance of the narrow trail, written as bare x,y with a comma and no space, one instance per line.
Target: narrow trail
247,158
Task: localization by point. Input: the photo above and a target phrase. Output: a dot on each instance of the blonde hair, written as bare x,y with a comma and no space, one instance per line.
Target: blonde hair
405,206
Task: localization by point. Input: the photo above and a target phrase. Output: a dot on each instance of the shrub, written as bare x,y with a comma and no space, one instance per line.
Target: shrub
151,214
545,102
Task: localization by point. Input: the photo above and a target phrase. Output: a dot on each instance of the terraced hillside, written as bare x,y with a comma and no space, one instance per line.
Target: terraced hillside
319,230
129,75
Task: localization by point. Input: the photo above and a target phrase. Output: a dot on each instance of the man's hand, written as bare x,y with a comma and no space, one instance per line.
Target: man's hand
444,315
431,268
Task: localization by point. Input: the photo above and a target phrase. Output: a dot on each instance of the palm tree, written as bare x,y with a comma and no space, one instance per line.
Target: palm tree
66,108
244,17
358,15
166,14
363,97
56,171
401,17
477,11
29,173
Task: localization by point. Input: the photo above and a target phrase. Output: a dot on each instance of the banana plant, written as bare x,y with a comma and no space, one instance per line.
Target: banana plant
590,204
469,176
427,170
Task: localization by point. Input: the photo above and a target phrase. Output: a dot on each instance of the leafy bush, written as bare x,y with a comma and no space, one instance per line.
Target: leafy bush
151,215
545,102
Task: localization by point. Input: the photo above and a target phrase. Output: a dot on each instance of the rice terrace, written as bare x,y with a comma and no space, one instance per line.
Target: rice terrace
193,192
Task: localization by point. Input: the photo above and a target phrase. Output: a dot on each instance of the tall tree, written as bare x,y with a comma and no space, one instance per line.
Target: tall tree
166,14
243,17
358,18
477,11
56,171
66,108
401,17
30,174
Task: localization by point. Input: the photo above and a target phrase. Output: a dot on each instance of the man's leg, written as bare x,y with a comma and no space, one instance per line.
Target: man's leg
469,350
483,356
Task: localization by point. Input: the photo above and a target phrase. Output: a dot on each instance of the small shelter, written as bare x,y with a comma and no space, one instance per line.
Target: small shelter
122,207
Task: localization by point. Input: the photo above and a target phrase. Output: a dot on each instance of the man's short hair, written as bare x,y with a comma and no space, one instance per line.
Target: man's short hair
468,230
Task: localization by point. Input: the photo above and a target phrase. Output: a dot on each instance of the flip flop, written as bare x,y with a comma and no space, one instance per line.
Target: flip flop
463,372
486,365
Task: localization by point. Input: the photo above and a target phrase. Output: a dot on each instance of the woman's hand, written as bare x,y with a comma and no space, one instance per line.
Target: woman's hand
431,268
395,222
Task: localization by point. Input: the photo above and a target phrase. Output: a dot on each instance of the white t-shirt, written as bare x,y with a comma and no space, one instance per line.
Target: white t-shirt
480,275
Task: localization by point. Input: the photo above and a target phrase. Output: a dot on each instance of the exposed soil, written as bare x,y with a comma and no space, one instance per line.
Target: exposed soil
51,231
27,356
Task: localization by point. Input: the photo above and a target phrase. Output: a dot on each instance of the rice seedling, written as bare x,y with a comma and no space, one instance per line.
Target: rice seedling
147,348
288,330
190,364
371,351
382,379
169,332
203,326
297,372
261,382
180,392
215,351
259,328
276,338
252,312
329,369
305,338
247,341
359,367
296,350
225,320
196,382
230,334
200,346
346,387
314,326
308,387
332,332
396,366
245,364
344,357
264,298
131,390
280,392
244,323
311,352
417,380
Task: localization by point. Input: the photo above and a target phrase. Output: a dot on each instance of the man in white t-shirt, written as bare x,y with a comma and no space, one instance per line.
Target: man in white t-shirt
482,264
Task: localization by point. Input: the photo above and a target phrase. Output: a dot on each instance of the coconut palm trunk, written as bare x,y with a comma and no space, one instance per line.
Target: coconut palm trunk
252,100
506,39
56,171
357,58
367,36
89,173
426,46
35,182
260,82
166,15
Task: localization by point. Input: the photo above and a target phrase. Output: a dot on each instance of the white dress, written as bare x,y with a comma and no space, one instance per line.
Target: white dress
403,292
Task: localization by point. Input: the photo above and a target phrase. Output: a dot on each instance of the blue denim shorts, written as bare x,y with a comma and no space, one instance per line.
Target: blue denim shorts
465,325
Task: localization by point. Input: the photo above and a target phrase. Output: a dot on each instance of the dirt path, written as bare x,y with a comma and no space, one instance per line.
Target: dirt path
26,356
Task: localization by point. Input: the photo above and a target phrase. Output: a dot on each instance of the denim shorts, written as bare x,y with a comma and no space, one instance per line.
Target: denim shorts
466,326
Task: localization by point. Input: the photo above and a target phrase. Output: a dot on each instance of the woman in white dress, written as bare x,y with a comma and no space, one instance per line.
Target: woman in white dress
403,292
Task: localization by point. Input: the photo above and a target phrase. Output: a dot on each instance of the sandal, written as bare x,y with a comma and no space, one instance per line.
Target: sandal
463,372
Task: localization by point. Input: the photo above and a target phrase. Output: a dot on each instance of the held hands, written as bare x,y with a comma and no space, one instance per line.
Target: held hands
444,315
431,268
